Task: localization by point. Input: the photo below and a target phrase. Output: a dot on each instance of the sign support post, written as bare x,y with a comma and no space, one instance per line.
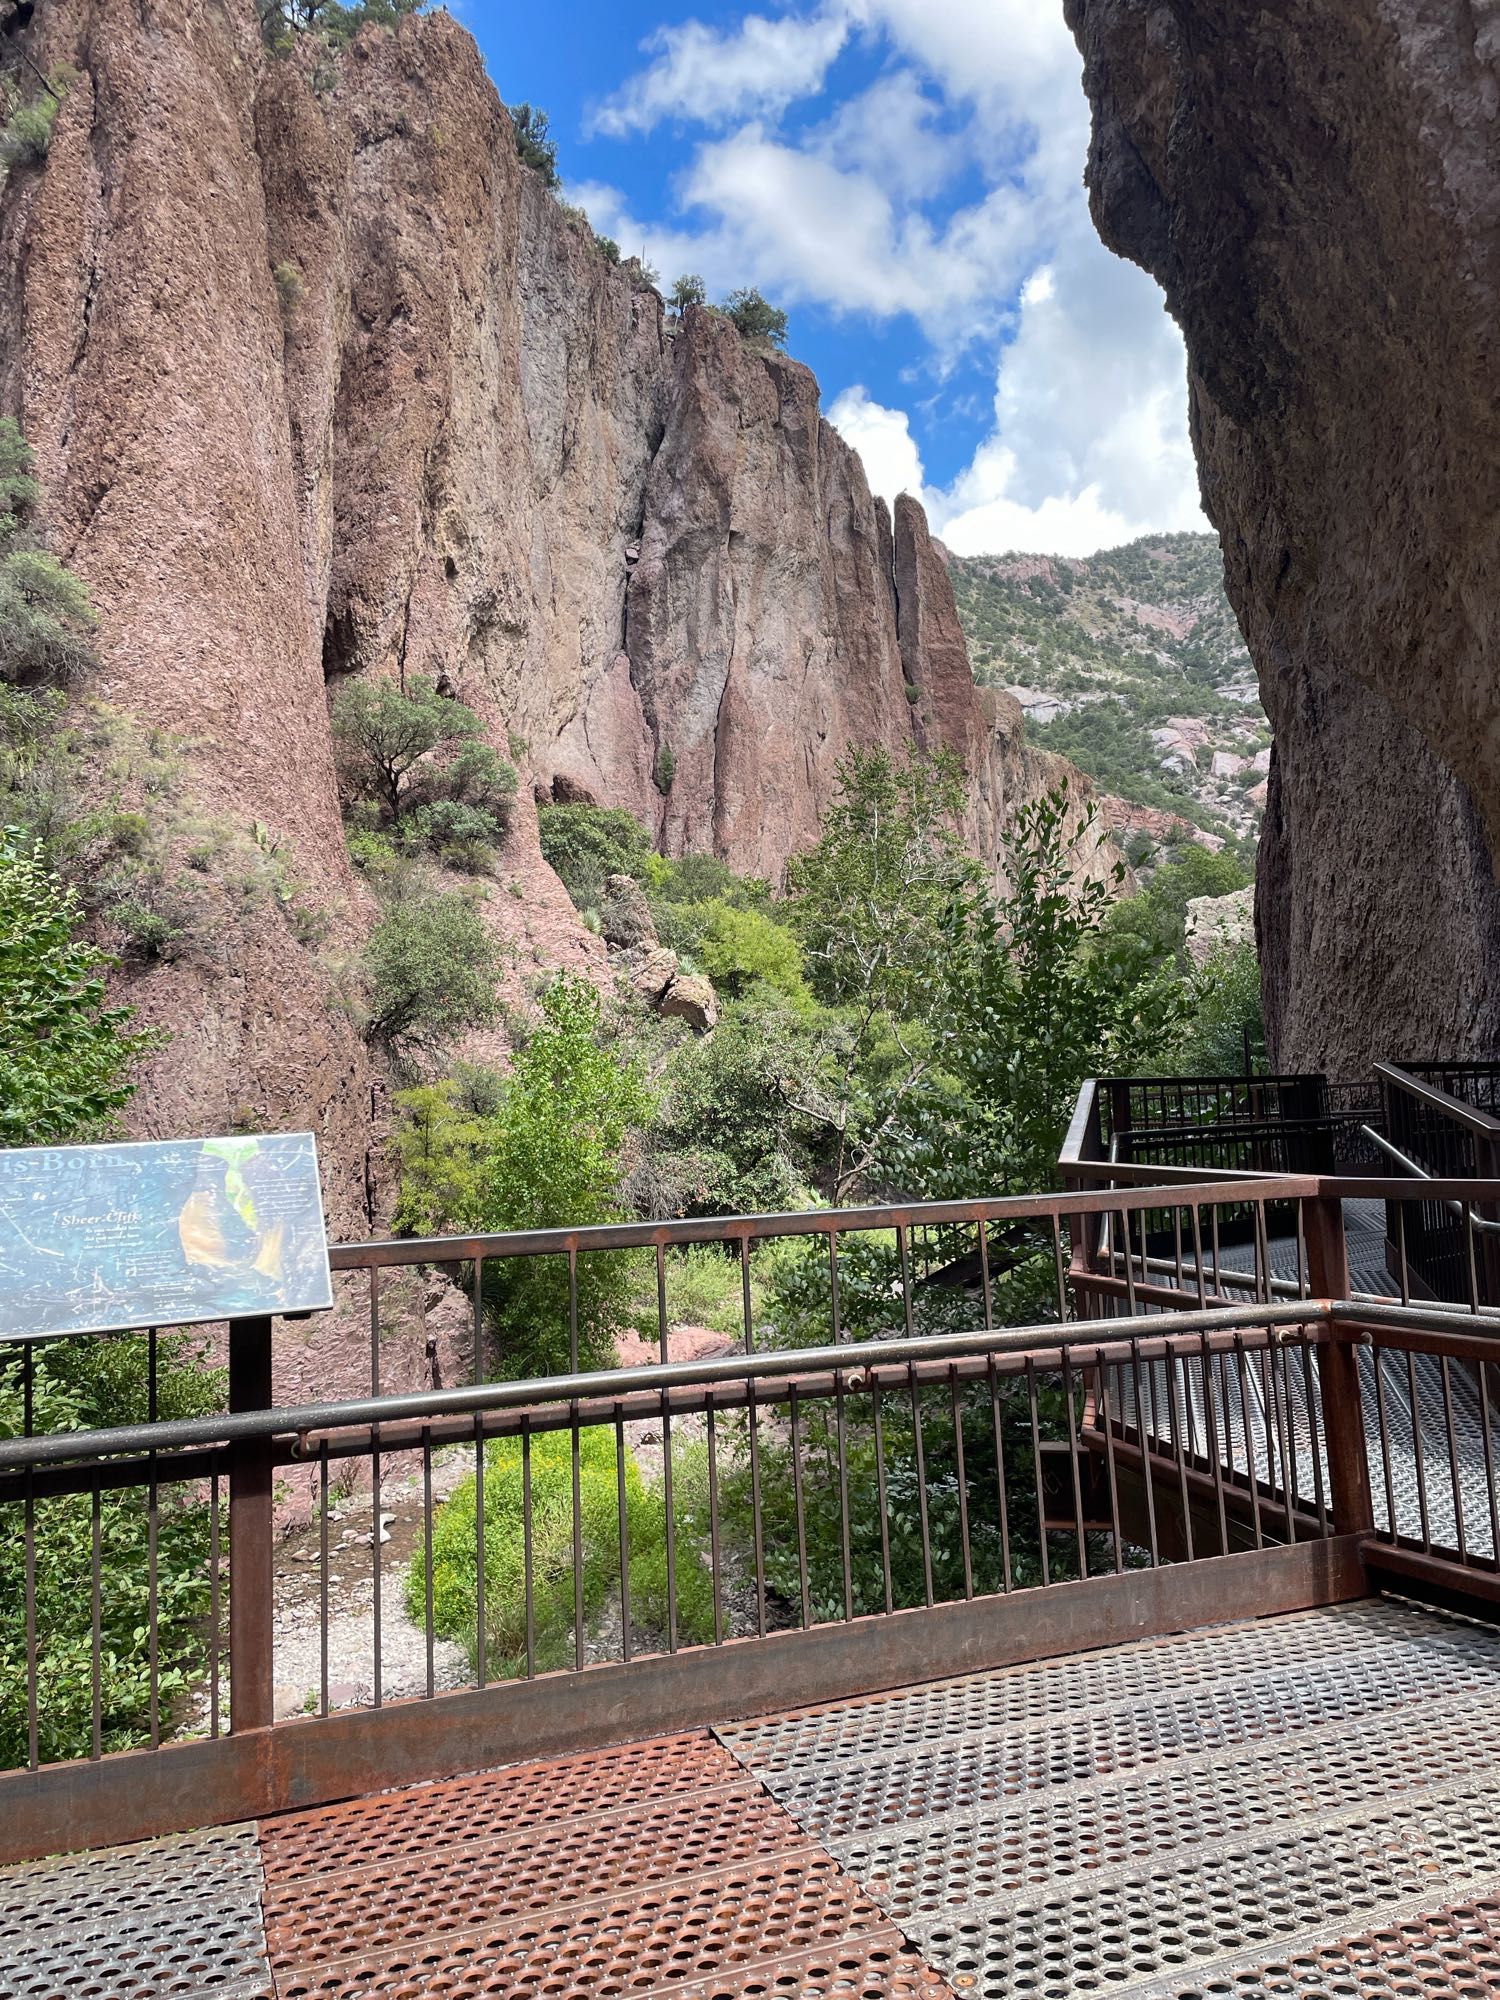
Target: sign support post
252,1694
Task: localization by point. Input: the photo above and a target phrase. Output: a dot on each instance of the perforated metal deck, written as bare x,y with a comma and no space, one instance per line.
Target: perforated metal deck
1305,1807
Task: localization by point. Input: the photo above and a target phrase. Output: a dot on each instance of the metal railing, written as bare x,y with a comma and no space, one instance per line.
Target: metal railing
882,1480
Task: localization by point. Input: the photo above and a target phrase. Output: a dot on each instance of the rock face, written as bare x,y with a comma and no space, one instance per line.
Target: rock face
323,382
1317,188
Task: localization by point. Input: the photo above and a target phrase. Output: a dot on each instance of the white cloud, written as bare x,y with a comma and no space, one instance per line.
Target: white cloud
883,439
699,74
1090,443
872,211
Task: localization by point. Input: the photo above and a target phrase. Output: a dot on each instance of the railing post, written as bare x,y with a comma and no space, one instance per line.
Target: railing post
252,1698
1338,1371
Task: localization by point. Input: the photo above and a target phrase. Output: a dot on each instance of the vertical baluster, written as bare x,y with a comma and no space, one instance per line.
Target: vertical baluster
801,1516
833,1286
666,1454
984,1275
921,1464
28,1533
963,1485
754,1416
1073,1465
713,1520
1216,1462
480,1607
377,1483
843,1460
877,1399
153,1563
1175,1428
1059,1272
1107,1420
1314,1404
528,1549
479,1342
1377,1356
622,1498
1146,1442
1454,1468
215,1612
1000,1496
1036,1460
427,1617
323,1576
96,1618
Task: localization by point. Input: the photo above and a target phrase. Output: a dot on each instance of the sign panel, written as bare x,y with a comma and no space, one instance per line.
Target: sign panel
95,1238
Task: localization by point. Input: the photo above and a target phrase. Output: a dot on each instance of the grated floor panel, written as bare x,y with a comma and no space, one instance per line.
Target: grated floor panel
1306,1808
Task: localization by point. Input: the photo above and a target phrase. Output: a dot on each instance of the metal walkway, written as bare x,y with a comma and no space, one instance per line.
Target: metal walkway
1307,1806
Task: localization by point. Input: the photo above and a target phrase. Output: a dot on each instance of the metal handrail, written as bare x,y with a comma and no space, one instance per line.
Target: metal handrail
1474,1120
1462,1210
605,1384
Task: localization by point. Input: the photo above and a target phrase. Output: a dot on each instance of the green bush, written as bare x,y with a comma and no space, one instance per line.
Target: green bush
289,286
456,1541
81,1385
413,765
756,318
535,146
688,290
26,125
1224,1009
740,949
66,1060
585,845
432,967
46,615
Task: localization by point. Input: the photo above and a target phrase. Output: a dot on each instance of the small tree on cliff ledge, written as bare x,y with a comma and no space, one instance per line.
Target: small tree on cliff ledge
756,318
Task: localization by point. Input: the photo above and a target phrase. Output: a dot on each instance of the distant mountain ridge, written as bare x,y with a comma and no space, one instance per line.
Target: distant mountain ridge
1132,664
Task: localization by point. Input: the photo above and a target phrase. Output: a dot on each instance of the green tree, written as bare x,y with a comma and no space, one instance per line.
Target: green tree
66,1059
1224,1016
1034,994
432,968
588,844
688,290
1157,917
45,612
873,904
534,142
554,1159
414,762
755,317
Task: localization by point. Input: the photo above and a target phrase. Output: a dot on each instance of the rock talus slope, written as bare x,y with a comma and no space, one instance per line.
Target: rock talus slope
322,382
1317,187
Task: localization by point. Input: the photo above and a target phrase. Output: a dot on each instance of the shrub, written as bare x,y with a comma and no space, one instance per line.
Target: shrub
534,143
1224,1016
415,762
456,1539
666,766
45,612
289,286
432,967
554,1158
756,318
740,949
688,290
66,1060
26,128
588,844
83,1384
608,249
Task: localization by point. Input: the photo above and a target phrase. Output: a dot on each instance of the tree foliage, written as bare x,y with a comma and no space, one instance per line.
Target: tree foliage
755,317
66,1059
415,769
46,615
588,844
688,290
535,145
432,967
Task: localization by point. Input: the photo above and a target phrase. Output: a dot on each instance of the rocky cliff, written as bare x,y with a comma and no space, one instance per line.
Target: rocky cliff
1317,187
322,382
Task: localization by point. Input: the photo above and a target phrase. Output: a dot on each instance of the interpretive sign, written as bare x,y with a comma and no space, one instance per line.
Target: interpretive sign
95,1238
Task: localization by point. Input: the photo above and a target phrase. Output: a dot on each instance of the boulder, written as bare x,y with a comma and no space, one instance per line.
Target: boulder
1220,923
691,998
649,972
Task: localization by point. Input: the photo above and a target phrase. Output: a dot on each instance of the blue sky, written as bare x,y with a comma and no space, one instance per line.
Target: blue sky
905,177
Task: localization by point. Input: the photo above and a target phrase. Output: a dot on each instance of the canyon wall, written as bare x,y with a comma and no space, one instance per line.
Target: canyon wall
1316,185
322,382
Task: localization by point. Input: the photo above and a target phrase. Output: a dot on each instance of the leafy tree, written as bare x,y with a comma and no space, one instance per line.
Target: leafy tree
555,1158
281,21
66,1060
688,290
415,762
432,967
534,143
588,844
45,611
1225,1016
608,249
873,904
1034,995
756,318
1157,918
733,1134
740,949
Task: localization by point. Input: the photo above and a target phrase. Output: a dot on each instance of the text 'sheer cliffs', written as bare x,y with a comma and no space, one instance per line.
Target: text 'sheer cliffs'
1317,186
461,443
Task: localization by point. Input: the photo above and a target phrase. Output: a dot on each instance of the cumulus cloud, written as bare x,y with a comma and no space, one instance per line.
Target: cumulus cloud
700,74
873,210
1089,446
883,439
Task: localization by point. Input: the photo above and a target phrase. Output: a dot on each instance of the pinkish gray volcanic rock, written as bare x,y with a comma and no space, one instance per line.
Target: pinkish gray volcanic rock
470,446
1316,184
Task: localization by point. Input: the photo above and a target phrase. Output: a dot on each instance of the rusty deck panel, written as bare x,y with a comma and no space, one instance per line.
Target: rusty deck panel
1307,1806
